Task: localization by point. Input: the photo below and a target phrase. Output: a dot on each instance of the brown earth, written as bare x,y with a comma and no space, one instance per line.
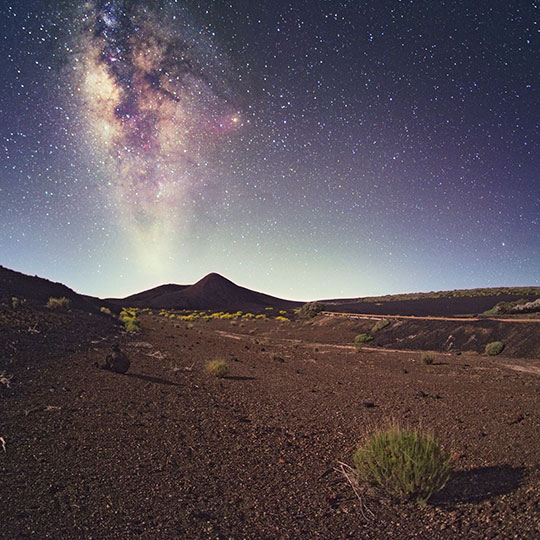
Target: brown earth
168,452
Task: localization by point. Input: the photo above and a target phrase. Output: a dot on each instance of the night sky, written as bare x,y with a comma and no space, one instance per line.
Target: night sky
307,149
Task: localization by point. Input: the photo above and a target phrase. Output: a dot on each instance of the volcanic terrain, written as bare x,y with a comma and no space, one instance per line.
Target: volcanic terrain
170,452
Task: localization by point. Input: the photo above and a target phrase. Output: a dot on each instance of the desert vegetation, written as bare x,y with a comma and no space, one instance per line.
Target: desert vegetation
62,303
310,310
379,325
494,348
217,368
519,306
403,463
360,339
130,319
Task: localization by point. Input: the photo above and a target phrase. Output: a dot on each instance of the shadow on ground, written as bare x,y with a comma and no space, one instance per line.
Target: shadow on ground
480,484
149,378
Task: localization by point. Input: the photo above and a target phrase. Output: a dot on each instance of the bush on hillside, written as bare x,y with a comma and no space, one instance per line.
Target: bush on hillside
59,303
310,310
494,348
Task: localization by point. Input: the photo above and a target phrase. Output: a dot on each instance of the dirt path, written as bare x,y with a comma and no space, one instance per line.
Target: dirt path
422,318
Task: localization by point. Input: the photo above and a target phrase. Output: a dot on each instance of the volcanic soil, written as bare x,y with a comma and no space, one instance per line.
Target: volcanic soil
168,451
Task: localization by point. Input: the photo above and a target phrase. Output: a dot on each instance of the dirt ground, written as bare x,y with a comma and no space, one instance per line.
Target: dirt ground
167,451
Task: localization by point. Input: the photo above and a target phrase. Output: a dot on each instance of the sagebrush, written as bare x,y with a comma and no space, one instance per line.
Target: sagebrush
406,464
494,348
217,368
59,303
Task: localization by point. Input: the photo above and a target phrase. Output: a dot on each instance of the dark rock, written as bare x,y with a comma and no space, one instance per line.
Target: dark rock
116,361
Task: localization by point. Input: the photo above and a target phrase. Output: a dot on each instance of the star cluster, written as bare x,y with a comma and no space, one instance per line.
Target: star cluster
305,148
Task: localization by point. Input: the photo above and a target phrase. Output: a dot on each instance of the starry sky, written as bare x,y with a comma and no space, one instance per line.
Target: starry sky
308,148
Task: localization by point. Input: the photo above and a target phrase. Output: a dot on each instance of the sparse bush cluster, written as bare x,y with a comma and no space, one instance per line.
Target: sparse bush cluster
209,315
217,368
494,348
519,306
405,464
130,320
379,325
62,303
428,358
105,310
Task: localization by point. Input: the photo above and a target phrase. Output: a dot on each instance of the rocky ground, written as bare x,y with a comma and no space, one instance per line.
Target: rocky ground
167,451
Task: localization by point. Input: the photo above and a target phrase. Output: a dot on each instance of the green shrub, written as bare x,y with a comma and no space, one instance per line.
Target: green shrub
105,310
494,348
130,320
59,303
132,325
217,368
310,310
428,358
379,325
15,302
360,339
405,464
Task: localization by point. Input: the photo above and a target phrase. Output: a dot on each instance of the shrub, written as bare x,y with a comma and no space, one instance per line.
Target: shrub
405,464
15,302
428,358
105,310
59,303
379,325
282,319
310,310
130,320
217,368
132,325
494,348
360,339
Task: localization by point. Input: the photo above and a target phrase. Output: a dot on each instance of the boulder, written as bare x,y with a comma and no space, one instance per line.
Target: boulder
116,361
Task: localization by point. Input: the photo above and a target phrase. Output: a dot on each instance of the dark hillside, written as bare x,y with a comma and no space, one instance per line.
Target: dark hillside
213,292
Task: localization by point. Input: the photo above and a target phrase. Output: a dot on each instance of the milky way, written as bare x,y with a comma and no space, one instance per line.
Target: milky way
153,89
306,148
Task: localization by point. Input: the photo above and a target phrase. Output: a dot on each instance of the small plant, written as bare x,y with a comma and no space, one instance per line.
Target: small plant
360,339
428,358
379,325
405,464
15,302
217,368
494,348
105,310
282,319
59,303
